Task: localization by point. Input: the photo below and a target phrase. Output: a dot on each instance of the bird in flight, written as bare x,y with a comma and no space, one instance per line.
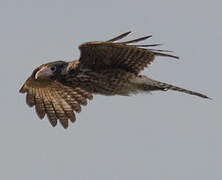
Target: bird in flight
58,89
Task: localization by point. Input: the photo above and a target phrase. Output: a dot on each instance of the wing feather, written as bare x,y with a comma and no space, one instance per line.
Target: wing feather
84,93
72,101
60,113
77,96
119,37
137,40
39,104
134,58
56,100
50,111
30,98
66,107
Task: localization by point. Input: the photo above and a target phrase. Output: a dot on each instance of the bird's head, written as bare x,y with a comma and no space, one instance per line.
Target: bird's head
50,70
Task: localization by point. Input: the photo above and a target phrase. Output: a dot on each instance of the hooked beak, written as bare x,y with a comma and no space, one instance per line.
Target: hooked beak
43,72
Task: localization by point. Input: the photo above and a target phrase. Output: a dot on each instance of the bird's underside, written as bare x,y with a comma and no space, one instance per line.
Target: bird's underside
109,68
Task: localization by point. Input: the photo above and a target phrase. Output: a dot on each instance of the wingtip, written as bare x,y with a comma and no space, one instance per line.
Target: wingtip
53,123
65,126
208,98
40,115
149,45
22,89
176,57
128,32
119,37
125,34
167,55
137,40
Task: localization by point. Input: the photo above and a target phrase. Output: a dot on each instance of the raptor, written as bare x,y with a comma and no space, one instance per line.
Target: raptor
59,89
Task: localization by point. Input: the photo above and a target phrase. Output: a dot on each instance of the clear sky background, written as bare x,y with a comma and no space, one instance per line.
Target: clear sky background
163,135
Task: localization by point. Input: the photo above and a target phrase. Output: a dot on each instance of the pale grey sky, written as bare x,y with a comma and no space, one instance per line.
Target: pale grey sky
163,135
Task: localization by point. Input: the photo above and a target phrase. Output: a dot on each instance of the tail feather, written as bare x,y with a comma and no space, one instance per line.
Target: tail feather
147,84
166,86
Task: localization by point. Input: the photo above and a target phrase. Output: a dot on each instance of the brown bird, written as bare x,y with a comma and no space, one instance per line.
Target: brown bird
108,68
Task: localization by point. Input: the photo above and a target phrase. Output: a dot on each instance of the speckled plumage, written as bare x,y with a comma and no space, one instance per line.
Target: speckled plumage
110,68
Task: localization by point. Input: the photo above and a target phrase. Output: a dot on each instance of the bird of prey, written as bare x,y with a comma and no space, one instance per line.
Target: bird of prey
58,89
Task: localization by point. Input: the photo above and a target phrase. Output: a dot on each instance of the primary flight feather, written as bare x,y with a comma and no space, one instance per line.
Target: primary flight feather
58,89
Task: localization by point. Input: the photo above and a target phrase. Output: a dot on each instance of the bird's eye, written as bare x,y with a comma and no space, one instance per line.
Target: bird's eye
53,68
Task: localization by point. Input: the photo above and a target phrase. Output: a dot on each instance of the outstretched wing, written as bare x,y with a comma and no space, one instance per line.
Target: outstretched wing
54,99
110,54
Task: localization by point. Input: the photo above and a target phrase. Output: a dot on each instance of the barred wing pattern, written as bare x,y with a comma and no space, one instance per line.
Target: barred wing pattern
98,55
55,99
